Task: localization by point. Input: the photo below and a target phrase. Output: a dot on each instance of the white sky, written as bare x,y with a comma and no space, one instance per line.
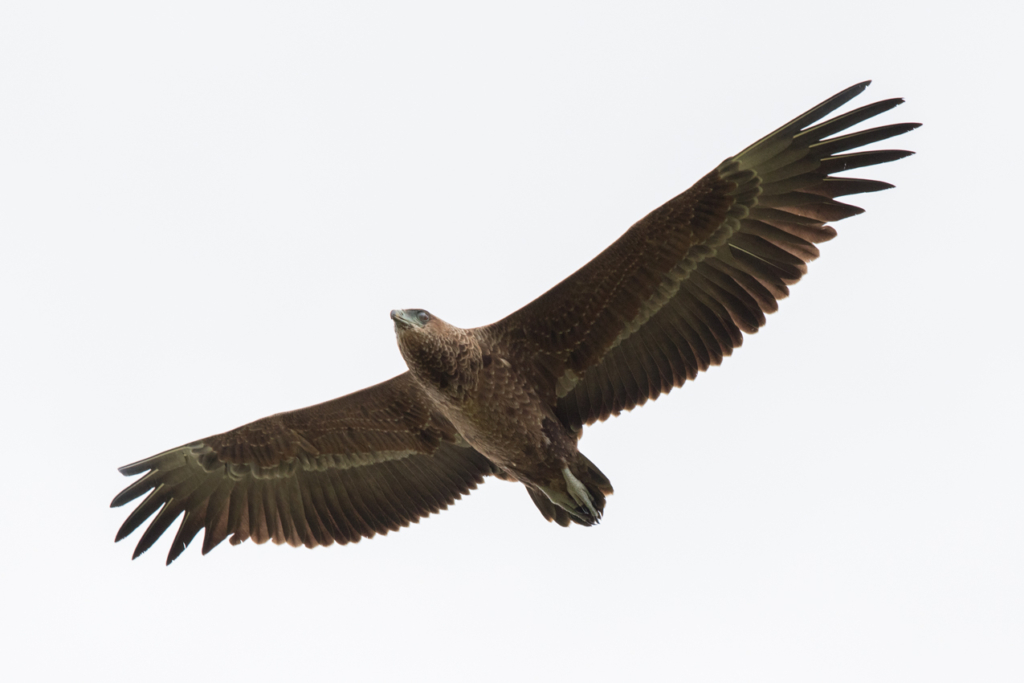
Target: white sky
208,209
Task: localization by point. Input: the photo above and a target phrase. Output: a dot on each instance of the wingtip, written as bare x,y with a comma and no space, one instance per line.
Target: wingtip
133,468
124,531
855,89
125,496
176,550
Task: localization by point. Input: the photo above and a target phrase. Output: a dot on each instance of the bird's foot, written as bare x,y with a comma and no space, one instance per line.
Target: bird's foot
579,493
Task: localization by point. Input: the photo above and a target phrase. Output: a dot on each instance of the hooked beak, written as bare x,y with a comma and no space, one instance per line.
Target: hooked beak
405,320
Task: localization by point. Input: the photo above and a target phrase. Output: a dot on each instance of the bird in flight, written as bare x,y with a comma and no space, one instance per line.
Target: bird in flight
667,300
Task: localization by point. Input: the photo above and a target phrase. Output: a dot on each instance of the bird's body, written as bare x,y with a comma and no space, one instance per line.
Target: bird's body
479,384
667,300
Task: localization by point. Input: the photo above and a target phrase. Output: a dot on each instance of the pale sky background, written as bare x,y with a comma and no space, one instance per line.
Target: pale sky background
208,209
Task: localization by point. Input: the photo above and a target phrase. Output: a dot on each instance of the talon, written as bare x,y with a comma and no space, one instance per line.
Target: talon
581,495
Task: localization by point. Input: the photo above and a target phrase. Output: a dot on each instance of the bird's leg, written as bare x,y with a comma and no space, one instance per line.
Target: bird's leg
579,493
574,498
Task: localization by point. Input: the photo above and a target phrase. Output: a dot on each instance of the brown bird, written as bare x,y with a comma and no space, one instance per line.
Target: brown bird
668,299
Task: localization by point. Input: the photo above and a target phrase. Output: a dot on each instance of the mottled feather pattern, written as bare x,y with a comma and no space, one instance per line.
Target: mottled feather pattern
585,314
782,196
670,298
310,507
364,464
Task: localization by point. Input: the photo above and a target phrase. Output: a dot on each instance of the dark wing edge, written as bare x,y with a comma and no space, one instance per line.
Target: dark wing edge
674,294
364,464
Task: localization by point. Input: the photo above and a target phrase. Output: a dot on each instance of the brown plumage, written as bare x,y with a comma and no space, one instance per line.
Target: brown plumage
668,299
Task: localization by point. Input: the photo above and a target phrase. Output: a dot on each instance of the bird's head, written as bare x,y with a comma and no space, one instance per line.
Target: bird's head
410,319
418,332
436,352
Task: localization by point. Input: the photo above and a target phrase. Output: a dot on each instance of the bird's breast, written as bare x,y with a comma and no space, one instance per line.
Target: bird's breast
505,419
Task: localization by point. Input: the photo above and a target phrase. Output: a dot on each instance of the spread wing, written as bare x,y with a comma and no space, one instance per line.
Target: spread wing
363,464
674,294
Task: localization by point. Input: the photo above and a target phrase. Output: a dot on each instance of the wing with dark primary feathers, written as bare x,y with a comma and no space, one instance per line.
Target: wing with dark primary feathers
673,295
360,465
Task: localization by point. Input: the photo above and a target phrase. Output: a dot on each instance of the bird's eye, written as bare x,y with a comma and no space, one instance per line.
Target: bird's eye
423,316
